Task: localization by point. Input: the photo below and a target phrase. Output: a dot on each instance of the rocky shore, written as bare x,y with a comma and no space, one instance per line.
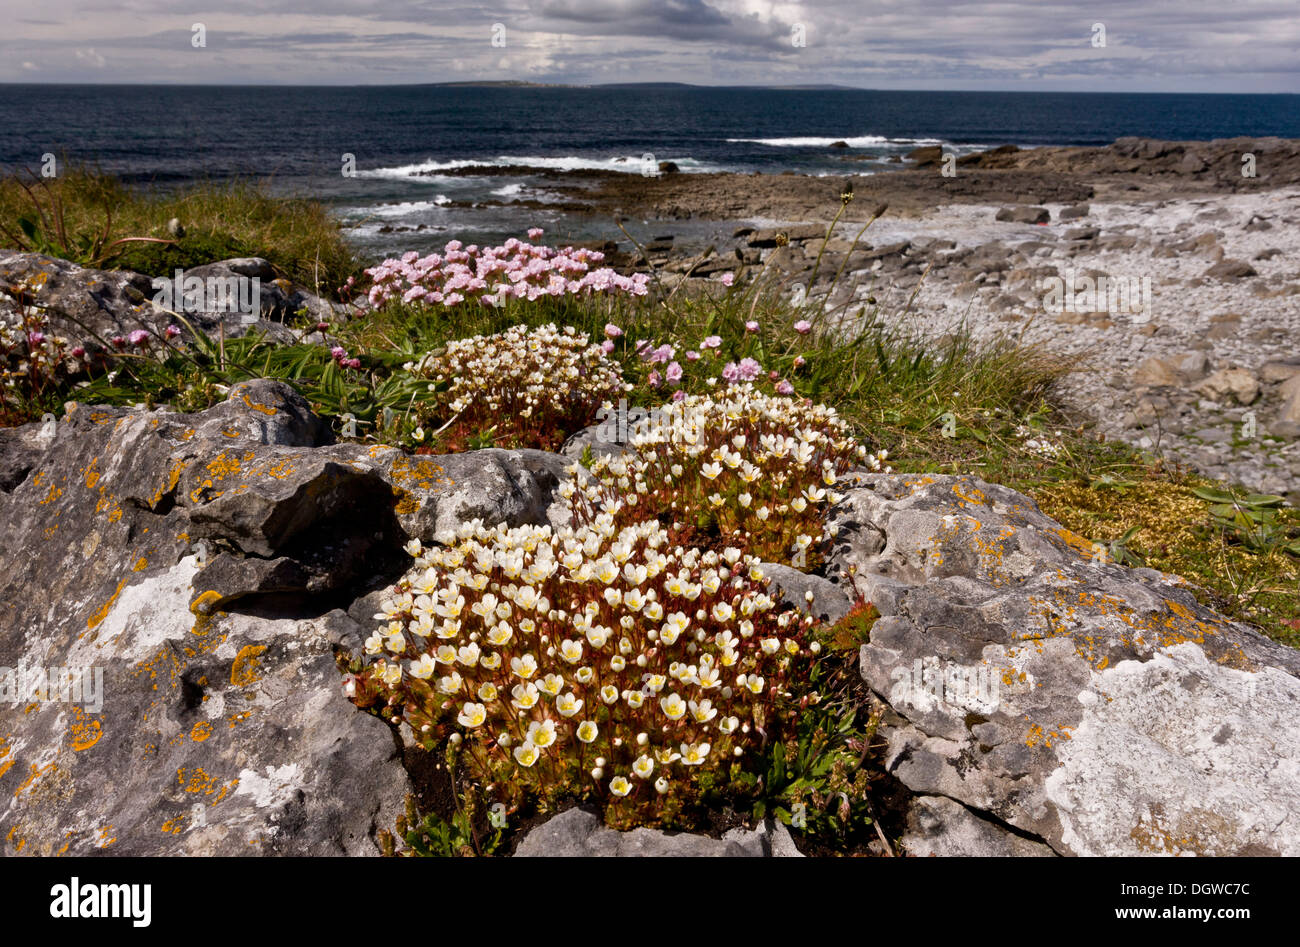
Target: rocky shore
1197,359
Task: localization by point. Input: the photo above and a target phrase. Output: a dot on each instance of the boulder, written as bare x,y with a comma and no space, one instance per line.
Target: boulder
578,833
1238,383
205,565
1091,708
1024,214
1230,270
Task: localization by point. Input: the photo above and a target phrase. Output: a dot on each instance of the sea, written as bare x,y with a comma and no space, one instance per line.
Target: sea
378,155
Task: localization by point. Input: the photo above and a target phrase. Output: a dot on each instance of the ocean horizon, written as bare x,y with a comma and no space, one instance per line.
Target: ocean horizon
413,147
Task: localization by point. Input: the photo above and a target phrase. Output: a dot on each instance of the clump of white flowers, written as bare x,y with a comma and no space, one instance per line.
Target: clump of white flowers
741,468
535,386
599,661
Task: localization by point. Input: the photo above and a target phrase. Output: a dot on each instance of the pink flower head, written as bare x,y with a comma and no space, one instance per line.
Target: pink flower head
712,342
784,388
802,326
726,279
607,345
35,338
747,370
661,354
678,395
322,326
773,376
612,331
78,351
654,381
173,331
692,356
673,373
139,337
800,361
535,232
354,363
751,326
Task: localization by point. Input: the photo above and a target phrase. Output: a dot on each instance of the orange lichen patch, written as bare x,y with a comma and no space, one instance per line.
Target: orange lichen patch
423,473
164,666
262,408
103,841
239,717
201,731
202,606
196,780
173,826
1037,736
53,495
968,494
83,731
247,668
95,620
281,470
90,476
101,417
49,531
1140,633
173,478
5,765
35,774
406,502
231,432
140,564
186,434
1011,677
1084,547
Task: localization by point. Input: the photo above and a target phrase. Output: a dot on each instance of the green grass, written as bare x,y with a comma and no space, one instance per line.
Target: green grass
83,215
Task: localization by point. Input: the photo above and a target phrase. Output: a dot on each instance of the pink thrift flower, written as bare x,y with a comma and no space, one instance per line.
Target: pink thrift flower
748,369
535,232
726,279
802,326
612,331
139,337
173,331
654,381
354,363
78,351
35,338
799,361
607,345
692,356
712,342
751,326
730,373
784,388
678,395
673,373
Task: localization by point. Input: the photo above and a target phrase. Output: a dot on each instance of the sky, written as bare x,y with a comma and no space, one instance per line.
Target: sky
1021,45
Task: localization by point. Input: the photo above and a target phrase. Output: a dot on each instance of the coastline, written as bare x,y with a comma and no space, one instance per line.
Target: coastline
1206,374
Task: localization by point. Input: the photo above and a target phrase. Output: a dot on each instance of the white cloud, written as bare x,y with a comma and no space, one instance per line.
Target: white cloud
1194,45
